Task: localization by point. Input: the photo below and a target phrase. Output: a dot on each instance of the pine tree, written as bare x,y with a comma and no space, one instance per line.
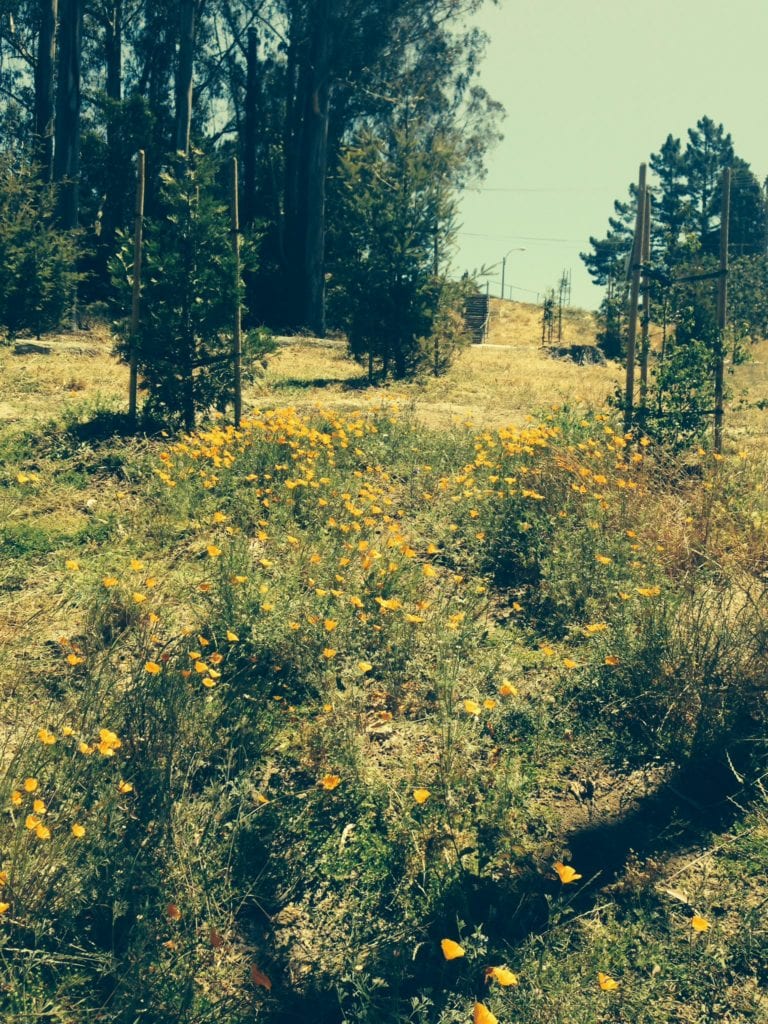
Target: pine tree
184,345
37,258
388,295
748,221
670,209
609,258
708,152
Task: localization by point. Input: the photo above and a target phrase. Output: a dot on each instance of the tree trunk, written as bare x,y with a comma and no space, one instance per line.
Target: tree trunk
249,134
290,239
44,91
66,154
315,172
184,75
113,200
113,51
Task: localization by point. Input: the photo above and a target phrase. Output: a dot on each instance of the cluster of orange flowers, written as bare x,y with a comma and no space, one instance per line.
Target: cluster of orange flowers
302,471
29,792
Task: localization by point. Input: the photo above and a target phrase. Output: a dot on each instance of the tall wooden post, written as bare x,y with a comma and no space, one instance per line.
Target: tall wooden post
237,327
722,309
138,238
634,293
646,318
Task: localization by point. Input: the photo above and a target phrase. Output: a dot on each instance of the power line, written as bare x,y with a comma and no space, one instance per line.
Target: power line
523,238
482,188
517,287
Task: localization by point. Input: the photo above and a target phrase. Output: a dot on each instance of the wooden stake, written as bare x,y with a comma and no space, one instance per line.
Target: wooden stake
722,309
237,332
138,240
634,292
646,318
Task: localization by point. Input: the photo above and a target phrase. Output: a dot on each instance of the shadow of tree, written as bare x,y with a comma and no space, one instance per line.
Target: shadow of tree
360,383
700,797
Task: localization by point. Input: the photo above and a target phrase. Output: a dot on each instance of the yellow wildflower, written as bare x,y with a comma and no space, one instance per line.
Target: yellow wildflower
566,873
451,950
502,975
606,982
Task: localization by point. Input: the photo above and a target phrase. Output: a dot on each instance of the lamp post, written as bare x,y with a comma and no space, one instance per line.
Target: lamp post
504,267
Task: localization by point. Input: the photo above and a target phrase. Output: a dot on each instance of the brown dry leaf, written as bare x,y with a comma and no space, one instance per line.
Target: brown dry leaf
258,977
217,939
173,912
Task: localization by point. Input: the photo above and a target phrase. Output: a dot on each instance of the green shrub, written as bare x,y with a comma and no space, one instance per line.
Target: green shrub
397,207
38,261
681,397
189,295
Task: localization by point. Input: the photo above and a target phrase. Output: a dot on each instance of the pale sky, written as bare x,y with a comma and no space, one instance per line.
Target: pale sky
591,88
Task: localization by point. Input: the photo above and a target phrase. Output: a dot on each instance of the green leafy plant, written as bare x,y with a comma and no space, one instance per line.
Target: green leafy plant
38,260
397,208
189,296
681,397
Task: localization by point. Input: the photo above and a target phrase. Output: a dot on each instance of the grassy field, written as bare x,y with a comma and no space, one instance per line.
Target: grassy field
435,703
519,323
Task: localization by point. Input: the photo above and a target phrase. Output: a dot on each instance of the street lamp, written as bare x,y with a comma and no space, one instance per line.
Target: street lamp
504,266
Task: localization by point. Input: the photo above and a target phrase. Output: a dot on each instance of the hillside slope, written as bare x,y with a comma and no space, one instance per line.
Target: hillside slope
519,323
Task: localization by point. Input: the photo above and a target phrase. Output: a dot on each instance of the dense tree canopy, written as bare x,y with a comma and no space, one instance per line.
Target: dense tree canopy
685,184
686,197
288,85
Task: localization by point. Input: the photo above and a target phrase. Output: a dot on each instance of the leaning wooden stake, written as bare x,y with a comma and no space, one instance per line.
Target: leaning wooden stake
634,292
722,310
646,318
237,332
141,176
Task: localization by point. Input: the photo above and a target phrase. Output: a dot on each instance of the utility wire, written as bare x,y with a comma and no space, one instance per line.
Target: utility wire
482,188
524,238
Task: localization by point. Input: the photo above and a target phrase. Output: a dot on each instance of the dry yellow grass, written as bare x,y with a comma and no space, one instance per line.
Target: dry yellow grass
487,385
519,323
502,382
746,412
79,366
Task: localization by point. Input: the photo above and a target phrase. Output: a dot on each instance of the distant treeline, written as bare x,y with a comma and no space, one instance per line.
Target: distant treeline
355,122
685,238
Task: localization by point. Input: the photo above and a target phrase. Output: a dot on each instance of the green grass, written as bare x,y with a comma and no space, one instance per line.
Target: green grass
286,631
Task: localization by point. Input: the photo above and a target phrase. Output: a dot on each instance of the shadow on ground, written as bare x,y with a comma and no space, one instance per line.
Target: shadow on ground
681,814
304,384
